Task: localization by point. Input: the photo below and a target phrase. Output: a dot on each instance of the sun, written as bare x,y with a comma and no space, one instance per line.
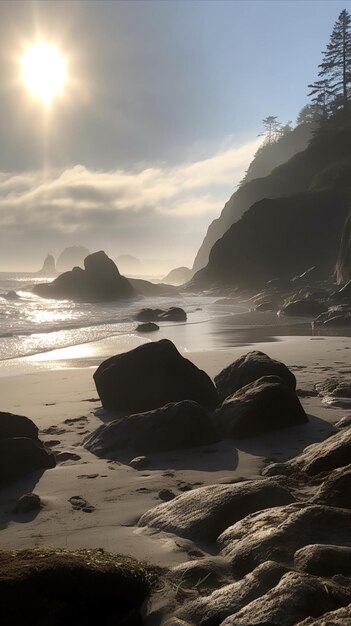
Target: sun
43,71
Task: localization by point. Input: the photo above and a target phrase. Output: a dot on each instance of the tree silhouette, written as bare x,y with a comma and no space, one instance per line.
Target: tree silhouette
333,89
272,127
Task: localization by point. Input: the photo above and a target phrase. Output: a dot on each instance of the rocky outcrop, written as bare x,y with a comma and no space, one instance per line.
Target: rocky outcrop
290,177
71,257
325,456
100,281
305,307
248,368
49,268
202,514
336,489
343,265
279,532
278,237
295,597
340,617
324,560
149,377
178,276
178,425
261,406
21,452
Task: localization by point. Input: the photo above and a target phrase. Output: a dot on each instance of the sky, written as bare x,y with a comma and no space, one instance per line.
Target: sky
158,122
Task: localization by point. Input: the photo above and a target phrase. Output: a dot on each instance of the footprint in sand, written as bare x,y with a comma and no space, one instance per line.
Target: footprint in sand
88,475
66,456
73,420
79,504
54,430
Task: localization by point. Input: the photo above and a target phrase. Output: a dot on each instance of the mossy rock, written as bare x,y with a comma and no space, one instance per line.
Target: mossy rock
72,587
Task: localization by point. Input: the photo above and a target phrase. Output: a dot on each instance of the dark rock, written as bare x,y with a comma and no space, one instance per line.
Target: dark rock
319,457
279,532
166,495
263,405
213,609
148,315
340,617
100,281
151,376
173,314
20,456
147,327
295,597
12,425
249,368
176,425
139,462
202,514
11,295
204,574
62,457
28,502
324,560
336,489
303,308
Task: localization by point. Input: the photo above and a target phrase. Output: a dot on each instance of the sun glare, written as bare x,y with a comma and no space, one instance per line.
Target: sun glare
44,71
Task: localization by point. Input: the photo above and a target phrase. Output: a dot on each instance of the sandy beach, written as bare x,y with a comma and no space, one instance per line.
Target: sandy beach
56,390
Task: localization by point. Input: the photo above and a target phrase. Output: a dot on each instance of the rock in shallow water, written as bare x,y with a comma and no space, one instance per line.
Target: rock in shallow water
149,377
263,405
176,425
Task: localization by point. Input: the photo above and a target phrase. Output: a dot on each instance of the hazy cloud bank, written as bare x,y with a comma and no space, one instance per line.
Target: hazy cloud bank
80,203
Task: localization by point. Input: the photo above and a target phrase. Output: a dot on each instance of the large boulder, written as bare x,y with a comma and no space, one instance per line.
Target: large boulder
202,514
295,597
149,377
277,533
324,560
20,456
214,608
336,489
173,314
248,368
100,281
21,452
324,456
12,425
177,425
263,405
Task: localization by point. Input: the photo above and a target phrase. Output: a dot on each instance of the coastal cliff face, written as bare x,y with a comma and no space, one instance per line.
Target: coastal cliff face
298,223
343,266
257,184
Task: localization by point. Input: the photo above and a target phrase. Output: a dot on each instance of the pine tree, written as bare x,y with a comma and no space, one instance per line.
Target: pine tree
272,127
333,89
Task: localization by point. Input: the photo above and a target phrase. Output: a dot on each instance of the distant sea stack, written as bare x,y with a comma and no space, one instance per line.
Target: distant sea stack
99,281
129,264
70,257
49,268
343,266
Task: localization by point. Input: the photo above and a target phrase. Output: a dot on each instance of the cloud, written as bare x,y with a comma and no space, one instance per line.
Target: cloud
155,210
